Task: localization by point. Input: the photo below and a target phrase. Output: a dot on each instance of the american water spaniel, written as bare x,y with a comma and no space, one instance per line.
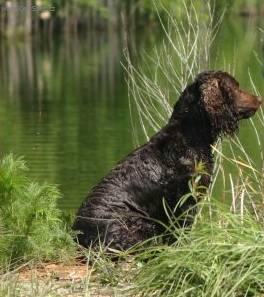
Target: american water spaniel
126,206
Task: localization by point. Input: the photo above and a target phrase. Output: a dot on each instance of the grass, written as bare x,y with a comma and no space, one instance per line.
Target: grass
222,255
165,72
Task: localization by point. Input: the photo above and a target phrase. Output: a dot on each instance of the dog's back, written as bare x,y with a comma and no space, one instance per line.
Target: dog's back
119,210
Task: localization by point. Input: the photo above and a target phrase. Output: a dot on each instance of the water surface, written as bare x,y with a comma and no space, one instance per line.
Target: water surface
64,103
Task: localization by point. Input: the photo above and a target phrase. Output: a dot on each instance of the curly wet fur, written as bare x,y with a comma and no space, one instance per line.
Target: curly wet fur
123,209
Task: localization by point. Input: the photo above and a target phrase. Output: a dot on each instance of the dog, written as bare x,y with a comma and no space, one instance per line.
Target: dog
127,204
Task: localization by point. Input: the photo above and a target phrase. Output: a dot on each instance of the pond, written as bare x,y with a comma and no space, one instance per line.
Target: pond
64,101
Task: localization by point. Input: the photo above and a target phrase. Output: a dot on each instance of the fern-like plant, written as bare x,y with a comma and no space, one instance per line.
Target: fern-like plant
31,226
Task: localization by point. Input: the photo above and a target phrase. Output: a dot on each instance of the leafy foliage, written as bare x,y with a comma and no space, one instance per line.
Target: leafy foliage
30,222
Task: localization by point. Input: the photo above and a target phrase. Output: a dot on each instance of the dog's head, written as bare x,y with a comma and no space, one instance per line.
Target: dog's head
216,99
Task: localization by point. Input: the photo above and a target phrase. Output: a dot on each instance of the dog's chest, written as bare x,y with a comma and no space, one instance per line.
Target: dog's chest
185,165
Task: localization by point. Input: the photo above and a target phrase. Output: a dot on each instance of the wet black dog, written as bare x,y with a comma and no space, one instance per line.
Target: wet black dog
119,211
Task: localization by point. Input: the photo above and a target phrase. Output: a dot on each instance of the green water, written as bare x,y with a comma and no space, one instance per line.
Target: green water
64,103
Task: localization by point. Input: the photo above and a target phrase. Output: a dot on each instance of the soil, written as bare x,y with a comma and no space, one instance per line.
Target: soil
55,279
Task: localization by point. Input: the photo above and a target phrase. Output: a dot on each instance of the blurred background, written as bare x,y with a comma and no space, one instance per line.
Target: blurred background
63,93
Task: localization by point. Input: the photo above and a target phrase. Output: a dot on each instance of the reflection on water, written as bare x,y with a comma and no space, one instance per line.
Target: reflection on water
64,107
63,102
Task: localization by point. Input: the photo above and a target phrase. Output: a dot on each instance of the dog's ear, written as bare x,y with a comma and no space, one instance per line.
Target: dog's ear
218,106
211,95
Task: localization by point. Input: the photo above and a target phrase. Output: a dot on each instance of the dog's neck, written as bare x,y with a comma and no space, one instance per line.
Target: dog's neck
184,142
194,133
177,140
